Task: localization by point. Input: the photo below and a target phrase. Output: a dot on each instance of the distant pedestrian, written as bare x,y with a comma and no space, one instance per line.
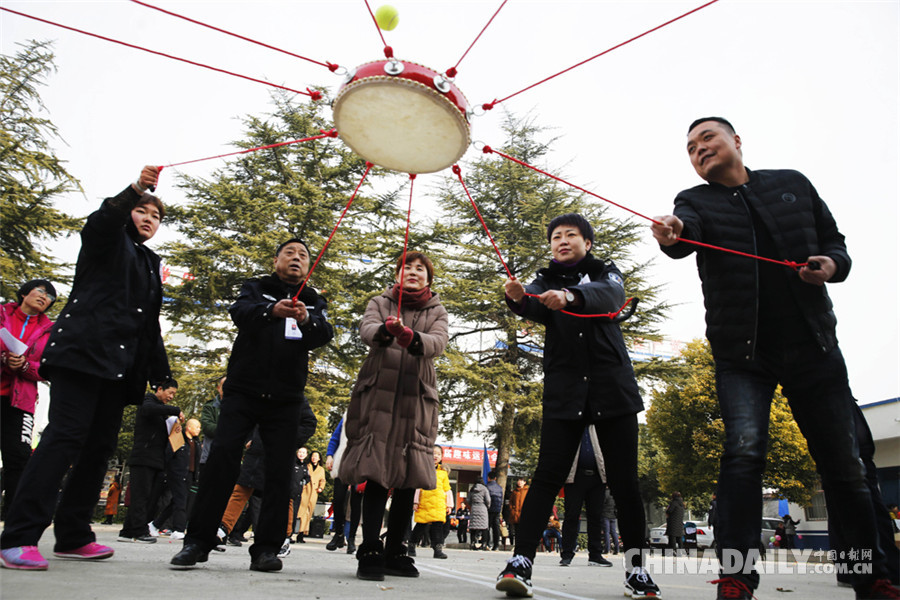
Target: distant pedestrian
675,521
432,508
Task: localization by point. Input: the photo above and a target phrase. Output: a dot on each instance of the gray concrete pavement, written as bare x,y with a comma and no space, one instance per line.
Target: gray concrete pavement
139,571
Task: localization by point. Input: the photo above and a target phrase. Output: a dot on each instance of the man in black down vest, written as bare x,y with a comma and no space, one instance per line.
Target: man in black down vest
769,324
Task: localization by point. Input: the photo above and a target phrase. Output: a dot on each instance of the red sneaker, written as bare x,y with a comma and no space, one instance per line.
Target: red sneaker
23,557
92,551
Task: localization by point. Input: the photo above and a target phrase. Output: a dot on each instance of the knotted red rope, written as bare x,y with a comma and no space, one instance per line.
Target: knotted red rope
388,51
458,172
331,133
314,94
490,105
787,263
451,72
333,231
412,179
330,66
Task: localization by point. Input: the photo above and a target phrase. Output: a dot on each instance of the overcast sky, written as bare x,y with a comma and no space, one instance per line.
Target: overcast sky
813,86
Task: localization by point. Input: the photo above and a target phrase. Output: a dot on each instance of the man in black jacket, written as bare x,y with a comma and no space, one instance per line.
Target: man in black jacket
768,324
266,377
148,460
588,378
103,350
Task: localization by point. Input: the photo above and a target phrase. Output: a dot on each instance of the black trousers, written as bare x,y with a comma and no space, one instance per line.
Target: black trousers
176,507
85,416
342,492
494,528
588,490
461,530
278,421
560,439
16,429
435,532
374,502
145,489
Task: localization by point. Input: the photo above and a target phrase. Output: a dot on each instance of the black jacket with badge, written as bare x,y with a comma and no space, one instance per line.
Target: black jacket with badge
264,362
109,328
587,372
151,435
800,225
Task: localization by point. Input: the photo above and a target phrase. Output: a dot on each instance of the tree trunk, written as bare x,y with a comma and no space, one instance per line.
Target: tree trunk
505,439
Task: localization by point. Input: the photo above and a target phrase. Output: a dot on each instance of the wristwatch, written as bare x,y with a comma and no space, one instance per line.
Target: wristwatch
570,297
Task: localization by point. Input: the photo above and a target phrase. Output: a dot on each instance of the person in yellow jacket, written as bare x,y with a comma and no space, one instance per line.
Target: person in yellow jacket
432,508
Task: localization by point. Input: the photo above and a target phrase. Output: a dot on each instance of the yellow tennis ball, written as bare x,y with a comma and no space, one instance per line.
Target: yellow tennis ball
387,17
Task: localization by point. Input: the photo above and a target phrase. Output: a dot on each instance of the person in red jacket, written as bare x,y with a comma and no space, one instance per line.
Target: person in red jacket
25,321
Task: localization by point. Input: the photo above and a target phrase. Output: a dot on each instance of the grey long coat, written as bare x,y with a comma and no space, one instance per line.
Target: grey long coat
479,499
392,419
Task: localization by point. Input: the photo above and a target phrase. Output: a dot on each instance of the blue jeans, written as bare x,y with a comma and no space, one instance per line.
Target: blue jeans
818,392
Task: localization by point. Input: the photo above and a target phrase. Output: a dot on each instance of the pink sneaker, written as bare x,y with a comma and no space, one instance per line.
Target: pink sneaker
92,551
23,557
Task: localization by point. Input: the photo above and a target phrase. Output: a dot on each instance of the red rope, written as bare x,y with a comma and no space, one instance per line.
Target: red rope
458,173
490,105
315,95
330,66
451,72
412,180
787,263
381,35
332,133
333,231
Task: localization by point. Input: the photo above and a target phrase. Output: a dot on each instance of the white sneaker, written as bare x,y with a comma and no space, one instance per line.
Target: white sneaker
285,548
154,532
177,535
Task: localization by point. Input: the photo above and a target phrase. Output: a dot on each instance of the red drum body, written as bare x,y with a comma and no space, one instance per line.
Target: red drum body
402,116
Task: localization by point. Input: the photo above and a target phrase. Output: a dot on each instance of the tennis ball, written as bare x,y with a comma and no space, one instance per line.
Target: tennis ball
387,17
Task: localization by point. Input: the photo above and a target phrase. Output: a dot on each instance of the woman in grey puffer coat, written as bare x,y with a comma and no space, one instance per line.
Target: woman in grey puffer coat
479,499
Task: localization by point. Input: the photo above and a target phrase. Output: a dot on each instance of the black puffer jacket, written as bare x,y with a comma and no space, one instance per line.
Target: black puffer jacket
263,363
800,225
586,364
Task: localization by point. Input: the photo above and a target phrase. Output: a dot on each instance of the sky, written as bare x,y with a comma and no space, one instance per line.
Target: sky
809,85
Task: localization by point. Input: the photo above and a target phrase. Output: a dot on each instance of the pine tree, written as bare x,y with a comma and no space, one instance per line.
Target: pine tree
31,175
231,226
493,367
688,431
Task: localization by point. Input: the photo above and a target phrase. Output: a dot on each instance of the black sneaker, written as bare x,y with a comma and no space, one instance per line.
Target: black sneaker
233,541
639,584
400,566
140,539
599,562
515,579
189,556
879,589
370,559
565,562
731,588
266,562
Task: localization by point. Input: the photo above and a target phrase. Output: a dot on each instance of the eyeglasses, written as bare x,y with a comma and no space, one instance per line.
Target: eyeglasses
45,294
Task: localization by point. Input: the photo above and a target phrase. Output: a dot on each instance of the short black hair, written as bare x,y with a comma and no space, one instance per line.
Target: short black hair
165,384
492,474
293,240
716,119
574,219
36,283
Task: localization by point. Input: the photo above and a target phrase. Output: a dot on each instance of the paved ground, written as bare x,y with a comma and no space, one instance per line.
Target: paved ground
139,571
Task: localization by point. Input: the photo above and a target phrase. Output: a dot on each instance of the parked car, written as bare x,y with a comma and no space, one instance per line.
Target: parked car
768,530
659,539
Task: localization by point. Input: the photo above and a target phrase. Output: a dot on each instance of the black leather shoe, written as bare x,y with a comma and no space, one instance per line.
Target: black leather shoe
336,542
267,561
189,556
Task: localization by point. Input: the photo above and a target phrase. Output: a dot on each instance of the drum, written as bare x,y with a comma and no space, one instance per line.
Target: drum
402,116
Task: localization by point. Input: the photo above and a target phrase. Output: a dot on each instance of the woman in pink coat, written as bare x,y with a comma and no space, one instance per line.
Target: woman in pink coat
26,322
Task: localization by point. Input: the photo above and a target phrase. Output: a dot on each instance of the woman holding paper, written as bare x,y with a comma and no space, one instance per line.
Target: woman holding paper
24,329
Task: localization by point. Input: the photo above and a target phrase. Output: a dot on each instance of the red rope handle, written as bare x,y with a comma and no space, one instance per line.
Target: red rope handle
786,263
333,231
412,180
451,72
490,105
458,173
330,66
315,95
388,51
332,133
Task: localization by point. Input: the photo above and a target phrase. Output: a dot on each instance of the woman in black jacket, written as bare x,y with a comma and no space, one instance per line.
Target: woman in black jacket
102,351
